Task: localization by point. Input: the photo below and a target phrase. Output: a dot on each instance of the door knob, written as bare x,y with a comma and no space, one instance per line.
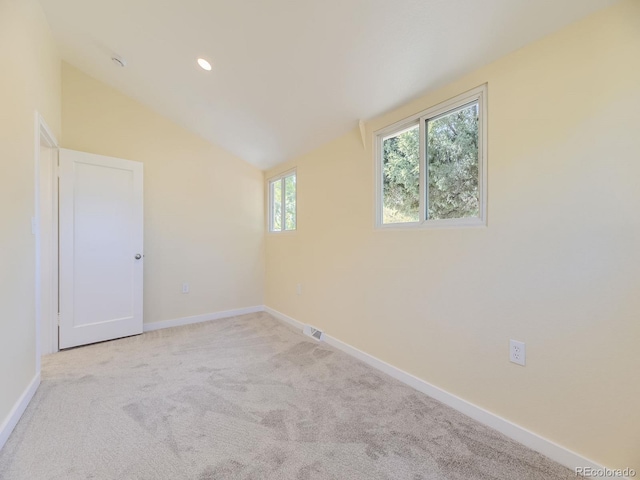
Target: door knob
138,256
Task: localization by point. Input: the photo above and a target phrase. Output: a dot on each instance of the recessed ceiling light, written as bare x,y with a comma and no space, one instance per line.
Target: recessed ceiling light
204,64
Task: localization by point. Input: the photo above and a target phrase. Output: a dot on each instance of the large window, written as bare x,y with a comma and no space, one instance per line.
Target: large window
282,202
431,168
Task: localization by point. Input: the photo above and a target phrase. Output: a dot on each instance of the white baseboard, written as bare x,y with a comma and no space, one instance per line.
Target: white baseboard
18,409
526,437
178,322
284,318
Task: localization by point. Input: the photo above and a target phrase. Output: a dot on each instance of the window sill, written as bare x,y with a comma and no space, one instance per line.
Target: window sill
434,224
283,232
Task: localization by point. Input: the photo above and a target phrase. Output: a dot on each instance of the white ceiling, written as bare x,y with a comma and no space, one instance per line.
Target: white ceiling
289,75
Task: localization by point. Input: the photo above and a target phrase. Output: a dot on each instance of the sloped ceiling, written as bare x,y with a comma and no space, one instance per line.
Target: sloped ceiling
289,75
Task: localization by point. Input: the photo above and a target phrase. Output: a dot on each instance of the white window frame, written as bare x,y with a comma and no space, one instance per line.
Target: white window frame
479,95
270,181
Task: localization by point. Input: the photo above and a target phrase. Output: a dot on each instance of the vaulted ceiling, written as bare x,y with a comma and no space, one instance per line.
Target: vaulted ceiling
289,75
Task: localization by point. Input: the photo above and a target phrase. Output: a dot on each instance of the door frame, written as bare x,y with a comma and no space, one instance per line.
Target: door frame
45,137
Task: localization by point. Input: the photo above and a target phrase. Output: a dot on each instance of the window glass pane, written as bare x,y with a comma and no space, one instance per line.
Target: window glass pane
290,202
276,206
452,159
401,177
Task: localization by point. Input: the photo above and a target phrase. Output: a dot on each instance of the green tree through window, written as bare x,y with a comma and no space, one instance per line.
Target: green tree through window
290,202
452,169
452,158
401,163
282,203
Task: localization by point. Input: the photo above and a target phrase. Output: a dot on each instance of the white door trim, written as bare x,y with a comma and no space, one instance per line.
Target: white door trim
44,136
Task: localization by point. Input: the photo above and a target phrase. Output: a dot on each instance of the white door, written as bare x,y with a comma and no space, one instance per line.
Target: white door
101,258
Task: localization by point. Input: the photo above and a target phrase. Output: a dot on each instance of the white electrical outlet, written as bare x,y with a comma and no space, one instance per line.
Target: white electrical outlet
299,289
185,288
517,352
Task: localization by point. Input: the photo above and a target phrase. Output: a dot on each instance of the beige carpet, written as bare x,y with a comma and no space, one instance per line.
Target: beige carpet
245,398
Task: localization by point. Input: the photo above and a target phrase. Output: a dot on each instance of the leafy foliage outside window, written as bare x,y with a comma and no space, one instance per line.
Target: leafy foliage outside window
276,206
452,160
401,180
452,157
282,200
290,202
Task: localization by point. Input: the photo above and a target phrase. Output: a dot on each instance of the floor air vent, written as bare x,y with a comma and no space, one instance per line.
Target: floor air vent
313,332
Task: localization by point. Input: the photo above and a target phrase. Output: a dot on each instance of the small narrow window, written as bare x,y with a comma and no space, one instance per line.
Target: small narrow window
431,168
282,203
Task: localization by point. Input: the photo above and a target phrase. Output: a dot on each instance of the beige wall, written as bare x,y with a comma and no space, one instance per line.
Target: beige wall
203,206
557,267
29,81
